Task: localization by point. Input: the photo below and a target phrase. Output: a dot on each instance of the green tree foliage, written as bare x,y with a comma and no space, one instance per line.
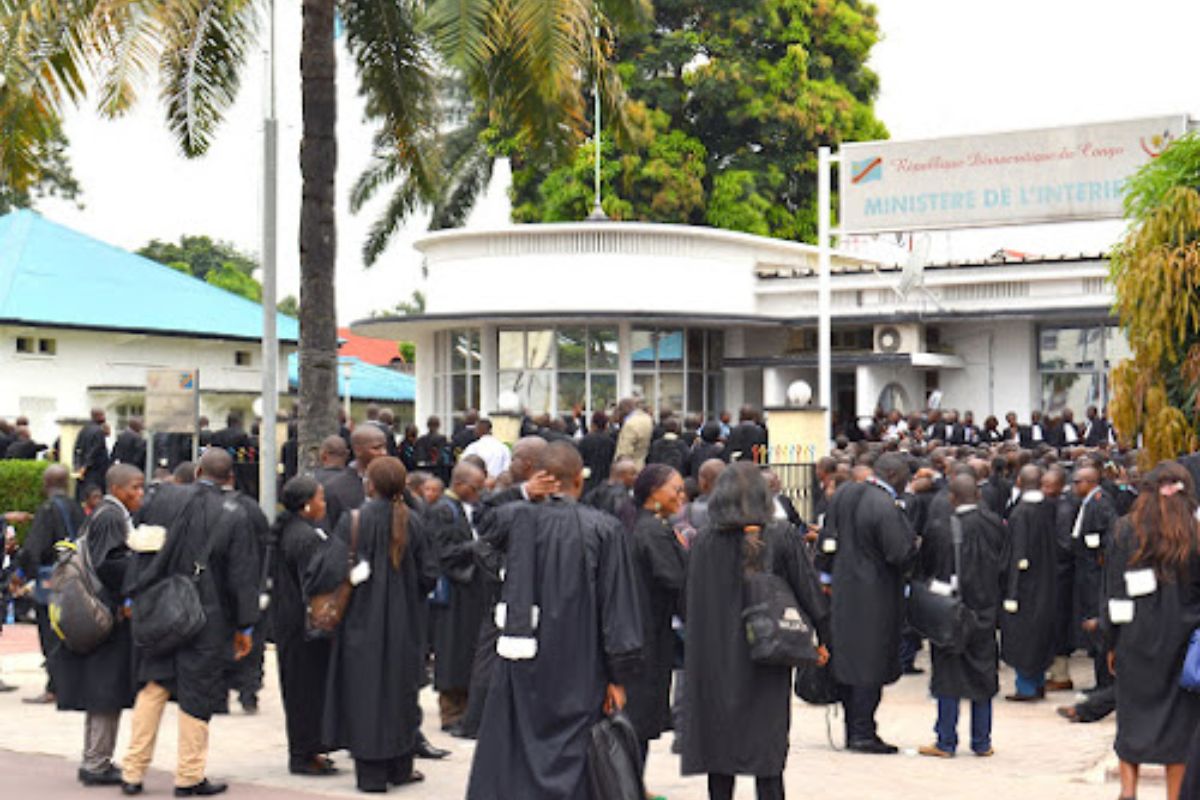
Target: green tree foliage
289,306
757,85
21,488
231,279
200,255
49,175
1156,273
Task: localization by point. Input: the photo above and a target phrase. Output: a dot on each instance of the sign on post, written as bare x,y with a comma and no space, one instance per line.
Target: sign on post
172,397
1022,177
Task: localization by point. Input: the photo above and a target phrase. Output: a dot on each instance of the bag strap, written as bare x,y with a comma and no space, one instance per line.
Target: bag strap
355,516
956,536
72,533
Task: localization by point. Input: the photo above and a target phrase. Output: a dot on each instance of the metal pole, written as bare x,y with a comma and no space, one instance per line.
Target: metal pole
268,451
824,289
346,373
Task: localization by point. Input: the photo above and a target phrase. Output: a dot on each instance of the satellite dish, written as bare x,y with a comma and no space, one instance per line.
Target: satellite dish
913,274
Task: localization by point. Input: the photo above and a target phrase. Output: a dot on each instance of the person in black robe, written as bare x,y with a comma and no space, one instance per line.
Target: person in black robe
91,455
1152,589
747,437
465,434
101,682
303,660
660,566
289,454
242,448
738,713
1027,623
246,674
1066,631
371,706
555,676
205,526
670,449
23,447
432,451
130,447
972,674
58,519
615,496
875,547
597,448
344,487
456,624
1090,536
706,447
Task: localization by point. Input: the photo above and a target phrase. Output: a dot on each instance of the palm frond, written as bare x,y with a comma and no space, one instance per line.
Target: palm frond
460,30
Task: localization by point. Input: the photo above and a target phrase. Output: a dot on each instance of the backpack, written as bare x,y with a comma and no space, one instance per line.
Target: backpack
615,760
78,614
776,630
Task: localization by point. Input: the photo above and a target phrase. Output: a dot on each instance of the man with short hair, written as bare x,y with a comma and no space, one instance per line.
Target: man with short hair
875,546
560,668
747,436
495,454
637,432
345,488
669,449
597,448
23,447
1090,535
431,450
130,447
615,497
91,454
100,683
210,528
467,433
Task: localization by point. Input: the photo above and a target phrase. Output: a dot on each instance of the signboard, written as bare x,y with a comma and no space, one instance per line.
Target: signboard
171,400
1023,177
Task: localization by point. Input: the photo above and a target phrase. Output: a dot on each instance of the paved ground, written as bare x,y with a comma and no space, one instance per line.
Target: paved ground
1038,754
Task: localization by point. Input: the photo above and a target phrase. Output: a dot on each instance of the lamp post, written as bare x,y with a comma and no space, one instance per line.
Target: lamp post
269,447
347,373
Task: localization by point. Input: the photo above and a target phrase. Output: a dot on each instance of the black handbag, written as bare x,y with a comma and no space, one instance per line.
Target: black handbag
168,615
776,629
615,760
941,618
816,685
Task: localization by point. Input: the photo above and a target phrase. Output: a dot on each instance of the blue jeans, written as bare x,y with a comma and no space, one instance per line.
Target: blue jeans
1029,685
947,724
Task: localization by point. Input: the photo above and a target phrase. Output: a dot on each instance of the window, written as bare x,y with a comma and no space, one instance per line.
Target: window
242,358
29,345
1074,361
25,344
456,386
556,370
678,369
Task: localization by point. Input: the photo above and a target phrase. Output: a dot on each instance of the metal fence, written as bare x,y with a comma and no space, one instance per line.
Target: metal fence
798,482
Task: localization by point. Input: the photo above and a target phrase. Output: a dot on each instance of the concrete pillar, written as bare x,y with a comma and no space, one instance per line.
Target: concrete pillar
625,354
488,357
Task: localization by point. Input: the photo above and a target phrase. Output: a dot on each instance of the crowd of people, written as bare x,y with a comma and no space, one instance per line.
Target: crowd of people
580,571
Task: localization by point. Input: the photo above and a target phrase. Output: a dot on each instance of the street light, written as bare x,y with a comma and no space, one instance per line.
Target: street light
347,372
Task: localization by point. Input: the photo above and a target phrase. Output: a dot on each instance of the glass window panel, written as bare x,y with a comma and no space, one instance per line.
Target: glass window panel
537,392
716,349
539,349
473,392
670,350
642,344
695,350
511,348
474,354
572,348
643,386
1116,346
1069,348
716,394
572,391
1075,391
695,398
604,390
602,348
460,347
670,391
458,393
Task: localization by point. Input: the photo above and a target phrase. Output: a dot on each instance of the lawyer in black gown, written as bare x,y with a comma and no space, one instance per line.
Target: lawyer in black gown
1152,582
972,674
303,660
371,706
739,714
550,684
1027,621
660,566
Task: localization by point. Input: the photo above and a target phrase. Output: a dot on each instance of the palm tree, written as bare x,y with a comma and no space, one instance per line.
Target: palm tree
522,60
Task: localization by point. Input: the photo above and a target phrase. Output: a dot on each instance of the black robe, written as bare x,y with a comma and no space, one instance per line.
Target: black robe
1028,632
1099,518
660,566
303,661
1156,718
669,450
91,455
58,518
130,448
613,499
743,439
371,706
456,626
102,680
534,737
597,450
738,714
200,516
875,546
972,674
344,491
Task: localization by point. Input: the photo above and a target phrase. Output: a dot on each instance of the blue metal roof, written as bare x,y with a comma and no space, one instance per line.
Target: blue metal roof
367,381
54,276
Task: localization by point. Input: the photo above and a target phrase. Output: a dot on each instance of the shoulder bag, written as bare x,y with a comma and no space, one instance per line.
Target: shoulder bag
326,611
776,630
169,613
943,618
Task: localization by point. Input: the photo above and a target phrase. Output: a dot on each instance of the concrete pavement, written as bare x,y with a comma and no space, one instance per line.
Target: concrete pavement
1038,755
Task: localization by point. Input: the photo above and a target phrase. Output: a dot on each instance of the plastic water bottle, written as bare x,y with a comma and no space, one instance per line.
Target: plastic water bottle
10,616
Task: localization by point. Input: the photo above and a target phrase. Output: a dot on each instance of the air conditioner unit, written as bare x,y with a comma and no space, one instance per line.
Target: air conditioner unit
899,338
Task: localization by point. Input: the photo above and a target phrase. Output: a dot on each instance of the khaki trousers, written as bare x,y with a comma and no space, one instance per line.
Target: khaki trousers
147,716
1060,669
100,739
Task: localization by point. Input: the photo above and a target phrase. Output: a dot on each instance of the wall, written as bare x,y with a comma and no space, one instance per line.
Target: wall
46,388
870,381
1001,368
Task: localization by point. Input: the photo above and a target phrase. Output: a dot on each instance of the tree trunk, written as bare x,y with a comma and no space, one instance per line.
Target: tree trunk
318,235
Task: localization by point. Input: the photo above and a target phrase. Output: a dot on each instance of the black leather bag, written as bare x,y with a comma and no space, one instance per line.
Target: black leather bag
168,614
941,618
776,629
615,760
816,685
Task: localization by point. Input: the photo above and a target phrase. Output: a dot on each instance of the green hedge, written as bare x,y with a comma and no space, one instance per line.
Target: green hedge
21,488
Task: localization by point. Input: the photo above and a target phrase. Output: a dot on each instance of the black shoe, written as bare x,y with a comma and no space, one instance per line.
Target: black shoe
204,788
316,766
7,687
1017,697
249,703
913,671
109,776
428,751
131,788
876,747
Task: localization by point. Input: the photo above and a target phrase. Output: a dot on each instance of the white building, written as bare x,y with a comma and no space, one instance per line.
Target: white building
700,320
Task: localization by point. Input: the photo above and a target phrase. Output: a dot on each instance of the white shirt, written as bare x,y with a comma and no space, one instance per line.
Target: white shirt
495,454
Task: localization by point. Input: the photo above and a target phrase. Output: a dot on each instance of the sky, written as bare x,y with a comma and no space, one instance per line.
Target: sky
947,67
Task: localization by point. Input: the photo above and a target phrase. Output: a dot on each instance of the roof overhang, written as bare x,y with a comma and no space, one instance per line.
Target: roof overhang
67,326
399,328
